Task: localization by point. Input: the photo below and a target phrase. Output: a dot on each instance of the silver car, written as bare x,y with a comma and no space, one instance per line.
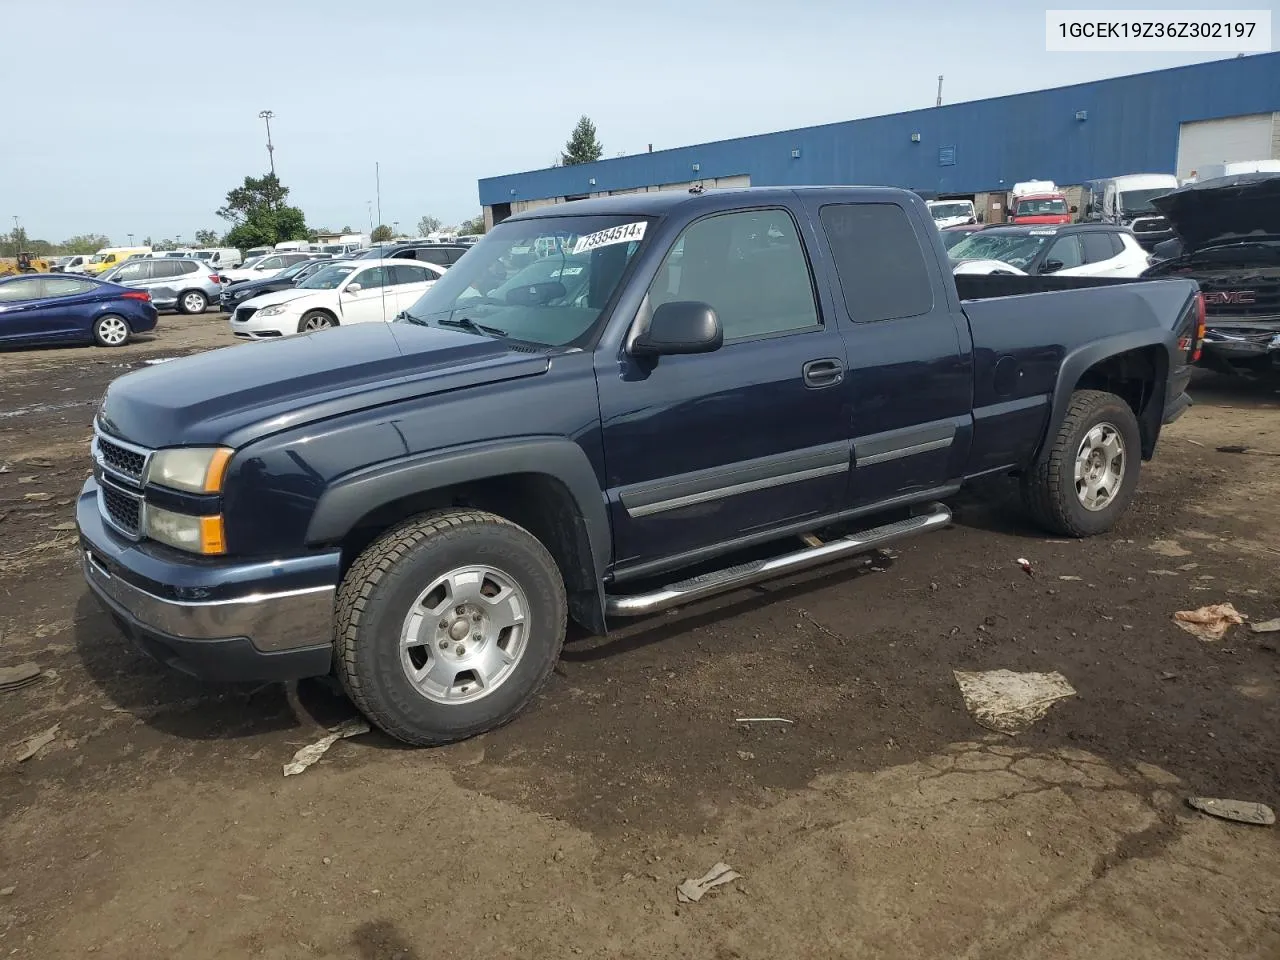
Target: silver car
187,284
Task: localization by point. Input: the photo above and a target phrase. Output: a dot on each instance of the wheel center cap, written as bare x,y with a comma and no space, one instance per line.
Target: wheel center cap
459,629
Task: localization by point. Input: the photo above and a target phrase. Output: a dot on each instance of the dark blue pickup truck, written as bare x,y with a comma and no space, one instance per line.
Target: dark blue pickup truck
604,409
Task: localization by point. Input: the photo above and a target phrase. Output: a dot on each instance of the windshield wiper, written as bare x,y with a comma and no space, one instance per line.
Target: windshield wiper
466,323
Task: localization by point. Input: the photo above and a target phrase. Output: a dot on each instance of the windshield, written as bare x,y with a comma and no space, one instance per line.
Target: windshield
952,237
293,271
1015,249
251,262
327,279
1139,201
1045,206
943,211
543,281
204,254
98,258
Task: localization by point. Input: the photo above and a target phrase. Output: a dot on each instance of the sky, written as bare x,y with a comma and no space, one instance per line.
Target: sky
137,117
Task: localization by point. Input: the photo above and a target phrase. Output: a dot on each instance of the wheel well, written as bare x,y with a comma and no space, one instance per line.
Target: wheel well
538,502
326,311
1138,377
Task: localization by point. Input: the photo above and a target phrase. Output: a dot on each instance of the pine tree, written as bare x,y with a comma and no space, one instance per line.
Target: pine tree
583,147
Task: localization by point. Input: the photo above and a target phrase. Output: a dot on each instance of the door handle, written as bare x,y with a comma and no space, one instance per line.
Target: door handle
823,373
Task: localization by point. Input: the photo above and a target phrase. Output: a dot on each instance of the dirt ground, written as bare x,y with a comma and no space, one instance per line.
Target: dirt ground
883,822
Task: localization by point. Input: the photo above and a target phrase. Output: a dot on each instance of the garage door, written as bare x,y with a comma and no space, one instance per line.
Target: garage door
1224,141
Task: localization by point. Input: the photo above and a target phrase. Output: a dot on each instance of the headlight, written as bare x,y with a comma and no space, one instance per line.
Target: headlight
272,311
194,469
193,534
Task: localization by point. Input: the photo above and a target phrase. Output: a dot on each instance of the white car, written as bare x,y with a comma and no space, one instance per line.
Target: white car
265,267
351,291
1069,250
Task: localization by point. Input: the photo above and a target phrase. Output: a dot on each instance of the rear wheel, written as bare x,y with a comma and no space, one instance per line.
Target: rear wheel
193,301
316,320
448,624
1085,478
110,330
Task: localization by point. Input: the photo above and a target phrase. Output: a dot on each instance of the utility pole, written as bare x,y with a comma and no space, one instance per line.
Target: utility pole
369,204
271,151
939,103
130,236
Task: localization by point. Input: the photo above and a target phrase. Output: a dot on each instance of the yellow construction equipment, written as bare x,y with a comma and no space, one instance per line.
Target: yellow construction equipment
22,263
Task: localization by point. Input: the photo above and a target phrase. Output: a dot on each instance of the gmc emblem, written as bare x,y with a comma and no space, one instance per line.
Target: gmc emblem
1242,297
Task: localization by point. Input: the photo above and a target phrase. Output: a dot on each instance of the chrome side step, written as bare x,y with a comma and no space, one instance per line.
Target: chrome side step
730,578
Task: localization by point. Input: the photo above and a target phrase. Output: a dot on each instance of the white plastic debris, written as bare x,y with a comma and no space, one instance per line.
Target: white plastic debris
1266,626
1241,811
1009,702
152,363
691,891
1208,623
1025,564
763,720
33,745
313,752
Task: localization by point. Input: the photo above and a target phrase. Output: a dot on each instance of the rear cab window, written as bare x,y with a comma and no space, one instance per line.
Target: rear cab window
879,261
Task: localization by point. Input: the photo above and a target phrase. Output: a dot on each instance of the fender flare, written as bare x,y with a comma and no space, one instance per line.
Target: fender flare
355,495
1075,363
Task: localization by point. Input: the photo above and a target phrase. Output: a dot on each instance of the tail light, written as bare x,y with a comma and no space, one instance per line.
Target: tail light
136,295
218,278
1201,327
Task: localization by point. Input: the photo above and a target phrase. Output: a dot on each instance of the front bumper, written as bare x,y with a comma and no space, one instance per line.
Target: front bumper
247,621
1228,343
250,325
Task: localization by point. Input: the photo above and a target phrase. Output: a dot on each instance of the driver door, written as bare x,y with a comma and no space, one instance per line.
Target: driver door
374,302
1065,251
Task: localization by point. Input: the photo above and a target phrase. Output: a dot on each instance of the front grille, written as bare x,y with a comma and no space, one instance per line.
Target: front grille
1150,225
1238,299
121,460
243,313
122,510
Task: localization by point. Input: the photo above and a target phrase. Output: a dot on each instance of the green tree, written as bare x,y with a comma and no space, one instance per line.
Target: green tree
208,238
428,225
14,242
583,146
260,215
381,233
348,230
85,243
472,227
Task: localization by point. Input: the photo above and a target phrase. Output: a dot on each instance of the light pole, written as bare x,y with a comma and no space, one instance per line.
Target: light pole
395,226
130,236
271,151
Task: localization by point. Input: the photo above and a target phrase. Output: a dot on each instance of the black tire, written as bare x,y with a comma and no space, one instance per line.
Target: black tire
106,330
1049,487
192,295
314,320
379,590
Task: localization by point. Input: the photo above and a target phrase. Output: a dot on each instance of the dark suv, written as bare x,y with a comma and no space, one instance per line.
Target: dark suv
441,254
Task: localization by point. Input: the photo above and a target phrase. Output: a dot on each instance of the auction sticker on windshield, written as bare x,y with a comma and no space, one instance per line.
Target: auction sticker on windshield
625,233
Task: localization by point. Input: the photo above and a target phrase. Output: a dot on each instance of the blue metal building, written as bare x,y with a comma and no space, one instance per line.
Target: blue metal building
1165,121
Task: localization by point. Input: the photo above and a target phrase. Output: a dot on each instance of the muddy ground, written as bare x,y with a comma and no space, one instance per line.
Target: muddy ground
882,823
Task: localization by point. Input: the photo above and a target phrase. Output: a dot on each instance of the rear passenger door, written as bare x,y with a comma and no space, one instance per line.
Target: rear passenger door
1102,251
909,412
409,281
703,450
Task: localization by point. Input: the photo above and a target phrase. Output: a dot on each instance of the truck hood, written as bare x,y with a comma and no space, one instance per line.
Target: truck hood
239,393
1236,209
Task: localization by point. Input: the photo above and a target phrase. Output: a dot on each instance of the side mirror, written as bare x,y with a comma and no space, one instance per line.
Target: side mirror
682,326
1051,266
1075,209
353,288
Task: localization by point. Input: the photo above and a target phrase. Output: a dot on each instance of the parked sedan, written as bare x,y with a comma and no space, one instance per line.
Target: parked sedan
233,294
264,267
55,308
185,284
352,291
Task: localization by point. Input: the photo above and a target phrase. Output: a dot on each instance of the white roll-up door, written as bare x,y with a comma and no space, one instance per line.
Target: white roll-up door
1224,141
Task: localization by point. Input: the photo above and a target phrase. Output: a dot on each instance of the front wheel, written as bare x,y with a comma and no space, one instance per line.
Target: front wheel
316,320
448,624
1086,475
110,331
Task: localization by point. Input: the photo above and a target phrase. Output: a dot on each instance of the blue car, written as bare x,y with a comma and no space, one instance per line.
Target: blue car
54,308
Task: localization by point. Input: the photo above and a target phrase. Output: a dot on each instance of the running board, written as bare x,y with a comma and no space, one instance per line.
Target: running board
718,581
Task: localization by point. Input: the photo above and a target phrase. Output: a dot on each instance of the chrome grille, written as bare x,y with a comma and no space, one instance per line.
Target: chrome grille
121,460
121,509
1150,225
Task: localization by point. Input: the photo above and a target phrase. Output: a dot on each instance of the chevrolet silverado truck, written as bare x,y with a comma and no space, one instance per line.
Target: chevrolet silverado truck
685,393
1228,230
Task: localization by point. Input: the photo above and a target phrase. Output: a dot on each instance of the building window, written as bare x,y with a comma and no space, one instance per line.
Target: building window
947,156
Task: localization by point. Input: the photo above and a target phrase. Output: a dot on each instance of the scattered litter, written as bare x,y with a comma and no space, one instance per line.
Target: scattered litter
1253,450
746,755
11,678
691,891
1194,443
1242,811
1008,702
1208,623
152,363
38,462
8,891
69,525
1163,573
4,468
1072,579
1266,626
308,755
1025,564
1189,566
37,743
763,720
37,496
1168,548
